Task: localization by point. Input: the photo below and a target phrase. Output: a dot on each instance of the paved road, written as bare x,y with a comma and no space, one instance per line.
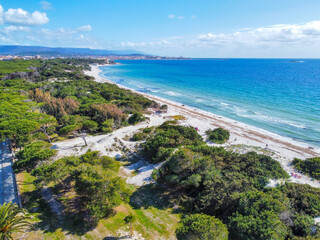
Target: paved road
7,184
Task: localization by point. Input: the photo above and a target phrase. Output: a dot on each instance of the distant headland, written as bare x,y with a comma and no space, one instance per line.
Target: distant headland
29,52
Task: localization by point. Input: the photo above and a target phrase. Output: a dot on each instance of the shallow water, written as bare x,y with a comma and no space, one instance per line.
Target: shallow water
279,95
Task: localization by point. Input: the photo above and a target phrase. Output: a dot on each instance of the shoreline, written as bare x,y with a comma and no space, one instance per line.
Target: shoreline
282,149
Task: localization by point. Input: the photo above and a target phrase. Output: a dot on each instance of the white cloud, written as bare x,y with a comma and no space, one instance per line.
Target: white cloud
85,28
282,40
274,35
172,16
24,35
22,17
46,5
18,30
12,28
160,43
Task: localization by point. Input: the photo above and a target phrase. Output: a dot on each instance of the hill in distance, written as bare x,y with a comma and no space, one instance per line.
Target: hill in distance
61,51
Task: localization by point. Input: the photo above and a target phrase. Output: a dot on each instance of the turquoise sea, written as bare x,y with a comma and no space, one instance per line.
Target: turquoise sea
279,95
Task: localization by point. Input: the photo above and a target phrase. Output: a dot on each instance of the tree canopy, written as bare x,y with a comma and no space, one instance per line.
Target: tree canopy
201,227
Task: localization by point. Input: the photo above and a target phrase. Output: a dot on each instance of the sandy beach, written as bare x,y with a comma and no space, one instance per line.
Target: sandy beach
243,138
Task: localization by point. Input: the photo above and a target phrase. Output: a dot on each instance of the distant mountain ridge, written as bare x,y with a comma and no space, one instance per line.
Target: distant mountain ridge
61,51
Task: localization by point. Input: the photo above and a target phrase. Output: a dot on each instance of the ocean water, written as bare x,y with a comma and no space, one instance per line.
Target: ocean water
278,95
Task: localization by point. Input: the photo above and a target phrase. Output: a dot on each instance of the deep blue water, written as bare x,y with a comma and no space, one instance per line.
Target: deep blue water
279,95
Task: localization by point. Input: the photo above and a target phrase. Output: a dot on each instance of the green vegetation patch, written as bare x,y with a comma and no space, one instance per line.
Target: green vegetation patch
310,166
95,182
201,227
7,67
32,154
218,135
230,187
62,102
166,138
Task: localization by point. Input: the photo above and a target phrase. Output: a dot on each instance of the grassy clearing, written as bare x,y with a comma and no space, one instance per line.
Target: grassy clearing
178,118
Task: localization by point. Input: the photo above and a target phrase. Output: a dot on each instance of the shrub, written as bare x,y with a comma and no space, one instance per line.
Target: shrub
138,136
163,154
148,129
172,179
201,227
178,117
193,181
107,126
89,125
167,137
310,166
264,226
164,107
69,129
218,135
305,198
136,118
155,174
100,112
32,154
303,225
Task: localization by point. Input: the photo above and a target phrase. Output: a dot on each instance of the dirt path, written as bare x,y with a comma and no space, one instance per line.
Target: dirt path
55,206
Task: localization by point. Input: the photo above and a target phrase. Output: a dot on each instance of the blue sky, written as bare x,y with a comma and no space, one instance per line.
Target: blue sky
195,28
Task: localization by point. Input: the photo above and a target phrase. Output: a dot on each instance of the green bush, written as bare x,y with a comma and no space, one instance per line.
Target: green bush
201,227
148,129
162,154
136,118
164,107
310,166
155,174
303,225
193,181
218,135
172,179
32,154
138,136
69,129
305,199
167,137
89,125
107,126
264,226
